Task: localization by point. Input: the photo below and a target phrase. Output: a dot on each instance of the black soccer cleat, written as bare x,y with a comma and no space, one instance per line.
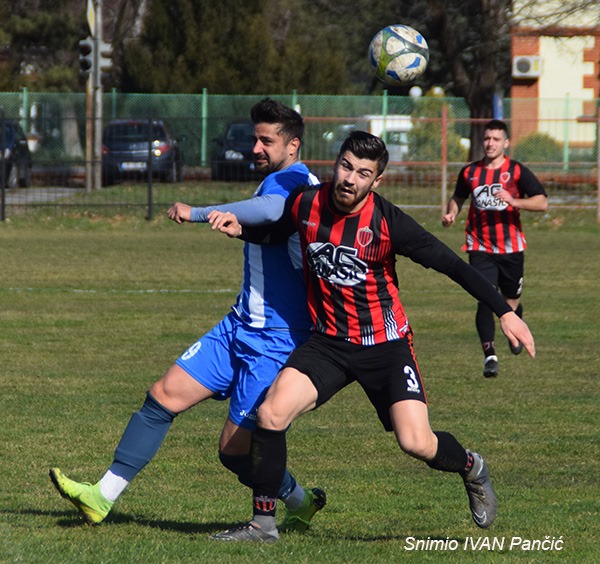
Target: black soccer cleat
250,532
516,350
482,498
491,367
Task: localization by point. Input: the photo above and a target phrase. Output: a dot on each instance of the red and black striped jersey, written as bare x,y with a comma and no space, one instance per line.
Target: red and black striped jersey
492,225
349,263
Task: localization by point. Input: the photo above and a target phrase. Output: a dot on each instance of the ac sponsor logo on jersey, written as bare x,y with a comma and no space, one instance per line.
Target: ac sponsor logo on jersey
338,265
484,197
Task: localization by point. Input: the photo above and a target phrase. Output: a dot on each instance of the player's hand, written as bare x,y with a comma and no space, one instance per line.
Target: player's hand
179,212
448,219
505,197
225,222
516,331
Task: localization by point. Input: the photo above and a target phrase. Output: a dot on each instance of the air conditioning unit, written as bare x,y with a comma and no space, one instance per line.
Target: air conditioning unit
527,66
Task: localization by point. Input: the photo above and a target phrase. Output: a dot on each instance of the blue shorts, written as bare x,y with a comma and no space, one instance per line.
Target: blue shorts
240,362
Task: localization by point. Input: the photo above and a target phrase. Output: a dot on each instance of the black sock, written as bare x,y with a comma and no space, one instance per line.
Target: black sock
269,453
486,328
450,455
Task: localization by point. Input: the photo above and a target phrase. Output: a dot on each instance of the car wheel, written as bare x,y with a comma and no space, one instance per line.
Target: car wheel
217,171
171,174
25,177
107,179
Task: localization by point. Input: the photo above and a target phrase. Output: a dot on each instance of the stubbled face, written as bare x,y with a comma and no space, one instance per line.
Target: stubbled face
353,179
271,150
495,143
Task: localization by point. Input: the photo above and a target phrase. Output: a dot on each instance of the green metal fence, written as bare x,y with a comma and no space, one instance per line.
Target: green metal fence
427,137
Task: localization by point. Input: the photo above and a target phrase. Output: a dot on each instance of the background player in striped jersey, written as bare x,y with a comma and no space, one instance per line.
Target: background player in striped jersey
350,238
499,187
239,357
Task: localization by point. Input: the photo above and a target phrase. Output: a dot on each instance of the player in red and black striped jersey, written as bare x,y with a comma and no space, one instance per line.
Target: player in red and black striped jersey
350,237
498,187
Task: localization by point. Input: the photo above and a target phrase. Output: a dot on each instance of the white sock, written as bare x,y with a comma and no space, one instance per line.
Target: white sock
295,499
112,486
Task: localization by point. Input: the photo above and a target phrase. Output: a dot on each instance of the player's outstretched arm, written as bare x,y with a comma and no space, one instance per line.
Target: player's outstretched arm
179,212
516,330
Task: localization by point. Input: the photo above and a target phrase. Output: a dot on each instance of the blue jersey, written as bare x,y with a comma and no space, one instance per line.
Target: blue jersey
273,294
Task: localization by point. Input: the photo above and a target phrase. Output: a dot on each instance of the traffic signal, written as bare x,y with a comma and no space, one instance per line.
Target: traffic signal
105,59
86,56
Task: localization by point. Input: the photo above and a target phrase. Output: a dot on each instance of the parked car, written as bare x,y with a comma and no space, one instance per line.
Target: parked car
14,154
125,148
233,159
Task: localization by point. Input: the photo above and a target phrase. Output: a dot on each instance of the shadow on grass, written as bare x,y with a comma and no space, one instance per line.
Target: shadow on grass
69,519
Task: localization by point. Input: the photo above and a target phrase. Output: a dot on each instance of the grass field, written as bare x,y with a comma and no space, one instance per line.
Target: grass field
93,310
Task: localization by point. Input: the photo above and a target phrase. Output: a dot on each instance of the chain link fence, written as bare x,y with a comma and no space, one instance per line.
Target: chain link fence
427,137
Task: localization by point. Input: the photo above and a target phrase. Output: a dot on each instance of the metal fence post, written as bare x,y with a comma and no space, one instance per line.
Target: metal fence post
113,105
566,135
25,109
598,163
384,113
444,157
203,151
2,167
150,210
89,134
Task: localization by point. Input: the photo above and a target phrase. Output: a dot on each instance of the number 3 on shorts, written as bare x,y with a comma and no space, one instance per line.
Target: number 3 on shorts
412,382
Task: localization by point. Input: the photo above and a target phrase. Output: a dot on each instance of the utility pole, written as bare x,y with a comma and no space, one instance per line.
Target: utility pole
86,64
95,57
97,157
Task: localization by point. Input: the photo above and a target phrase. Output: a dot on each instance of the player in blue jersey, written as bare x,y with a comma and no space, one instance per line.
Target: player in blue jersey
239,358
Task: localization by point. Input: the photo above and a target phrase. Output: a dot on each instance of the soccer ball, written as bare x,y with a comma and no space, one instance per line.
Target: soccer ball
398,54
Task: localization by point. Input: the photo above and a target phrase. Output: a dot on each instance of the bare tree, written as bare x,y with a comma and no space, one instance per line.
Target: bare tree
474,39
555,13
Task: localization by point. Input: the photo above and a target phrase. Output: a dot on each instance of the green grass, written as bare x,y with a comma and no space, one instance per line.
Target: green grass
93,310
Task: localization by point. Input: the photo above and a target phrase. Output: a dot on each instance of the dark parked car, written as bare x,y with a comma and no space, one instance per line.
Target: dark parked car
233,159
125,145
14,154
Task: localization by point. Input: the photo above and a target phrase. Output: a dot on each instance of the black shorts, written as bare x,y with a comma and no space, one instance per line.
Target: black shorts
503,271
388,372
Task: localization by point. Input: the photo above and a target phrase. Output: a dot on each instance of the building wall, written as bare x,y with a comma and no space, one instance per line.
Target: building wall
564,79
568,87
525,93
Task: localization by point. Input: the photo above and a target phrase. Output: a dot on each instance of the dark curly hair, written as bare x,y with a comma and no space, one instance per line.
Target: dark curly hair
366,146
273,111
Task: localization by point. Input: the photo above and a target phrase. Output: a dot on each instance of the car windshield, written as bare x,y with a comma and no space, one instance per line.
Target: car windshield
240,132
133,132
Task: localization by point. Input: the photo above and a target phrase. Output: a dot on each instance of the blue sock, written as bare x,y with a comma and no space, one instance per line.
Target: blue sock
142,438
241,466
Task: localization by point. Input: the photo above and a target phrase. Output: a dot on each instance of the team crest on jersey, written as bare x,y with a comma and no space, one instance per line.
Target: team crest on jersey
505,177
364,236
338,265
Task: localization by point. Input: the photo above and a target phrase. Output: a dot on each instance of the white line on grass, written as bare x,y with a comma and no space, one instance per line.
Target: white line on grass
111,291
